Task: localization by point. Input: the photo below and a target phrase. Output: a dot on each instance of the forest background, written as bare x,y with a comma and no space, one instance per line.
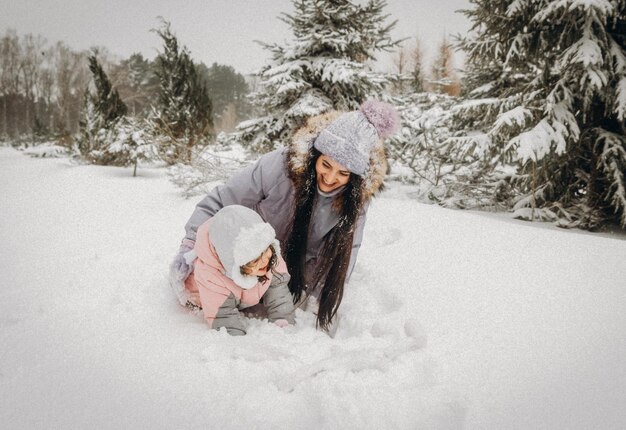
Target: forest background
530,121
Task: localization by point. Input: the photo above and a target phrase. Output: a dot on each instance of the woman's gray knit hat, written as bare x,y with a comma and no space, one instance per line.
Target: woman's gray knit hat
349,139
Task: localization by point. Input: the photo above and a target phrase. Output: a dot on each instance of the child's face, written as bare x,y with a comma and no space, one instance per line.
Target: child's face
260,266
330,174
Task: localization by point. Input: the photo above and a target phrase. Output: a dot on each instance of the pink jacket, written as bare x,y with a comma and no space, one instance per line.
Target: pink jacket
219,296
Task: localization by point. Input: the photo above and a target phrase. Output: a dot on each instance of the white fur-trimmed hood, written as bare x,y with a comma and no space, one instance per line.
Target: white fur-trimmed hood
239,235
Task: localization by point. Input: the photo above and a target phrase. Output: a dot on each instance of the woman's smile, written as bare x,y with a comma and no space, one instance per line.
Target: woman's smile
330,174
325,182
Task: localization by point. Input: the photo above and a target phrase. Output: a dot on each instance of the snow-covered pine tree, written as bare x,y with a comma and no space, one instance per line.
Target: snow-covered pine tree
102,110
107,100
130,143
108,136
324,67
421,145
549,90
183,116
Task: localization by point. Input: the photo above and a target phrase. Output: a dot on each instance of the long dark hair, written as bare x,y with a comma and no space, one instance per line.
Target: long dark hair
337,246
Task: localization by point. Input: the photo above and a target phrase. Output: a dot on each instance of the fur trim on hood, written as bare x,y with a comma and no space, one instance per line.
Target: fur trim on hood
303,139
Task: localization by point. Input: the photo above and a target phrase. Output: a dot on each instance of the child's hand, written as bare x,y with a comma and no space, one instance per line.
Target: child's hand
281,323
181,268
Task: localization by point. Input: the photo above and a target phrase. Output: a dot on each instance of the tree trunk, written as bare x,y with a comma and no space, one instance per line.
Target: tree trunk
4,116
27,126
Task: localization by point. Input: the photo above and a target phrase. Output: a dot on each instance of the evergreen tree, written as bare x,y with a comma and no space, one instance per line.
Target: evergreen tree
548,81
130,143
229,92
90,124
102,109
107,100
184,115
108,136
136,81
324,67
425,144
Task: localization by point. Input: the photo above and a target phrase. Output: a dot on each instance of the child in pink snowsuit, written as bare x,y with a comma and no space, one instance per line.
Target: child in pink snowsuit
238,265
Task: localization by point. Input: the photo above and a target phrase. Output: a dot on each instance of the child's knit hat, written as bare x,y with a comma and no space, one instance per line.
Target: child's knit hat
349,139
239,236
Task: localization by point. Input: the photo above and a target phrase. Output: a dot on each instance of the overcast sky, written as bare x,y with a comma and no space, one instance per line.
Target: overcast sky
221,31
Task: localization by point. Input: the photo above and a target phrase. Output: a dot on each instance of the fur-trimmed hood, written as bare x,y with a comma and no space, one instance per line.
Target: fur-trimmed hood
239,235
302,141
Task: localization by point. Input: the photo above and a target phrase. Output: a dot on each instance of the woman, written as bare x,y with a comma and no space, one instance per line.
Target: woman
315,193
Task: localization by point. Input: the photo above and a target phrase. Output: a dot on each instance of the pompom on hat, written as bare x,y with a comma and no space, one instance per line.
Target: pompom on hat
350,138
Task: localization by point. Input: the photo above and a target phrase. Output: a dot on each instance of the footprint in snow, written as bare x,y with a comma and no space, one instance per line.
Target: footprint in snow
388,236
361,359
412,330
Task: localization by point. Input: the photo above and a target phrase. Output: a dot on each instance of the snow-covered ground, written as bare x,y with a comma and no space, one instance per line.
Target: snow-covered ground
452,320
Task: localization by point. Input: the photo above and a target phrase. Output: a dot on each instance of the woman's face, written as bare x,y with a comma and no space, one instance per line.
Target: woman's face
330,174
260,266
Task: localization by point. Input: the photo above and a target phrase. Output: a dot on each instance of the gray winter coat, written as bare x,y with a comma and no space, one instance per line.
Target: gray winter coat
268,187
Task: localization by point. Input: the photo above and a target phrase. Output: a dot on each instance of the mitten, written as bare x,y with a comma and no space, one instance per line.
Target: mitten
182,265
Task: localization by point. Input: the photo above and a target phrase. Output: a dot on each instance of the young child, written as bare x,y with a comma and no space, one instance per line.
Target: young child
238,265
